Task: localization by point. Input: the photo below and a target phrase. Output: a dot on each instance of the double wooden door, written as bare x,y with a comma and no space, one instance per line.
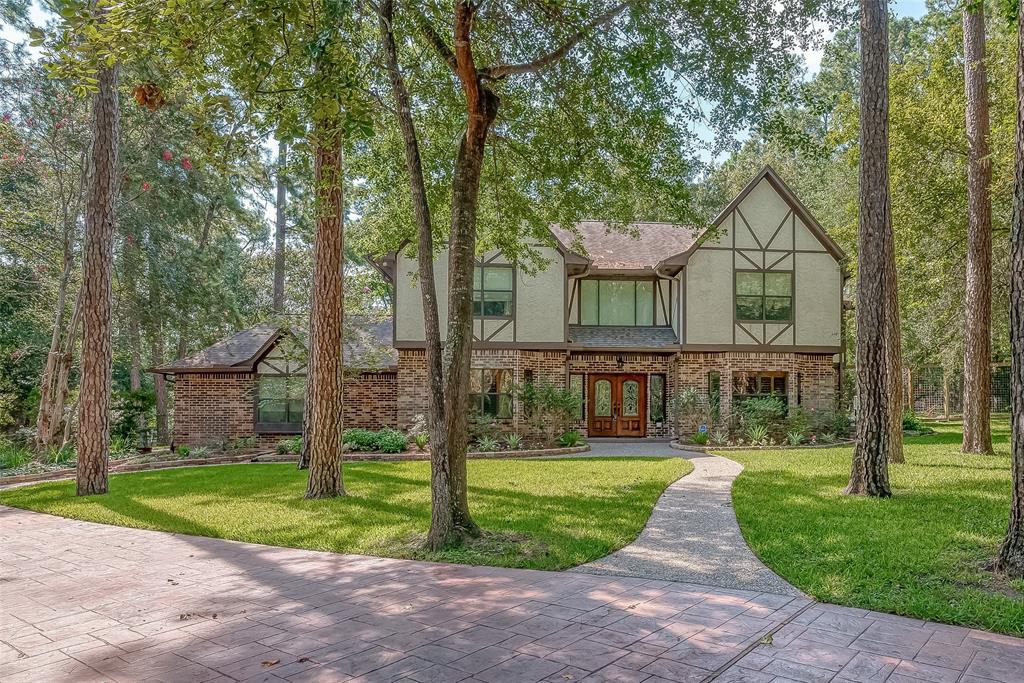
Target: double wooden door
617,405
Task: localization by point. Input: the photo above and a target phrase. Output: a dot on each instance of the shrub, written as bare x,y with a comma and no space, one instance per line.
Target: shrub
184,451
361,439
487,444
837,423
200,452
719,438
242,442
421,439
13,455
798,421
549,409
757,434
766,411
911,422
688,407
700,438
570,439
794,438
514,441
292,445
419,426
391,441
132,409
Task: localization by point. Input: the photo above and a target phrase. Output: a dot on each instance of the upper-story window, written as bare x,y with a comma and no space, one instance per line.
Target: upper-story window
764,296
492,291
617,302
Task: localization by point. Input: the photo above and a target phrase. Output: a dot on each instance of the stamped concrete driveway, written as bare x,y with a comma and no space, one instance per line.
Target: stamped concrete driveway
88,602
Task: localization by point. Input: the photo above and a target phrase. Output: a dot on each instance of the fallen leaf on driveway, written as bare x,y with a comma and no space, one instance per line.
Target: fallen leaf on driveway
270,662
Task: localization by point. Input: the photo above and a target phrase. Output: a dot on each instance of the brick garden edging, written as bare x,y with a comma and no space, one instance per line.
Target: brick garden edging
270,456
714,449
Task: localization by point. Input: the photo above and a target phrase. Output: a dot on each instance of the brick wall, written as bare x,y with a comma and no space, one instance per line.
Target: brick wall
635,363
211,408
546,366
811,379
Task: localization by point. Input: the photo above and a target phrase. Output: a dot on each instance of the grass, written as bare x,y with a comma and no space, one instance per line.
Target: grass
544,514
921,553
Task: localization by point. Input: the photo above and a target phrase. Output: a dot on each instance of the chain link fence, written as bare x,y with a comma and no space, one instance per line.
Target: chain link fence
933,392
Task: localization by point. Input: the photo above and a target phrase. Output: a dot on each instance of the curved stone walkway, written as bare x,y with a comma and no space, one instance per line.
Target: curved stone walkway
692,534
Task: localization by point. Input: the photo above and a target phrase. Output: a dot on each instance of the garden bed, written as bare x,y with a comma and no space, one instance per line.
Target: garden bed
258,456
802,447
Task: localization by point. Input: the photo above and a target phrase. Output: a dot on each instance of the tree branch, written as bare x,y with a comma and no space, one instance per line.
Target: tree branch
502,70
435,40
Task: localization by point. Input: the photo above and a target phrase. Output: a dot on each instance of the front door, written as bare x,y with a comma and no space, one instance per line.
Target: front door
617,405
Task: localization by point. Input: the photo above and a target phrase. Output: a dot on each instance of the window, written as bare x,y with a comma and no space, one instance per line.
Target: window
656,397
617,302
757,384
715,394
576,385
492,291
764,296
490,392
281,400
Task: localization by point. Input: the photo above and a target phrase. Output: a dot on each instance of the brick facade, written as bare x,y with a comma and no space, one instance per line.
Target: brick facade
213,408
810,378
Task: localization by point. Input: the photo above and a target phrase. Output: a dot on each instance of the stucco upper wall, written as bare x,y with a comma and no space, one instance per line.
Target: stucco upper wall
539,311
764,231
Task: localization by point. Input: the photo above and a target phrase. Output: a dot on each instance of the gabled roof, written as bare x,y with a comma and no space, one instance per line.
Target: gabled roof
667,246
641,247
367,345
786,192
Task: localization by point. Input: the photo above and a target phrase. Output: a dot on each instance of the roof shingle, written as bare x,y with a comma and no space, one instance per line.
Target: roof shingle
642,246
622,337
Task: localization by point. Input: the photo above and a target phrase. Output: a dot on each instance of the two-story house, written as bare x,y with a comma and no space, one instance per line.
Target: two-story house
752,306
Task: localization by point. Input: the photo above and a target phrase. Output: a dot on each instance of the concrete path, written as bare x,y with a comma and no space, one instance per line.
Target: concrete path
692,534
87,602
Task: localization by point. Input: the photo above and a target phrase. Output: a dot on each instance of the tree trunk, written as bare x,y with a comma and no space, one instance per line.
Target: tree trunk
94,393
978,302
51,405
894,361
324,407
156,351
281,228
1011,554
440,480
870,471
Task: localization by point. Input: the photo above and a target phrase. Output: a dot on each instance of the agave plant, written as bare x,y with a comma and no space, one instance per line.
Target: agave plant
421,440
514,441
719,438
487,444
794,438
757,434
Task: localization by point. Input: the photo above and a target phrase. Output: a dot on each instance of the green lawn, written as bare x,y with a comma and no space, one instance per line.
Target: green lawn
921,553
546,514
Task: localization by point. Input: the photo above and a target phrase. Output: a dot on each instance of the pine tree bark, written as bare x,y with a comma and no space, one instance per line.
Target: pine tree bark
94,393
870,472
1011,554
894,360
322,437
978,302
280,228
442,517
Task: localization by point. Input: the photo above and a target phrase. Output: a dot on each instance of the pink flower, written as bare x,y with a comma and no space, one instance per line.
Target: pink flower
21,157
167,155
7,117
59,124
186,163
145,186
